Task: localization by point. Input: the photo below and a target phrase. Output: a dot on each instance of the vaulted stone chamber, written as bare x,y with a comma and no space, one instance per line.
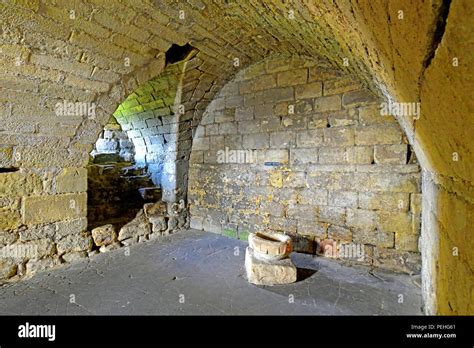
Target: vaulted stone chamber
325,166
360,170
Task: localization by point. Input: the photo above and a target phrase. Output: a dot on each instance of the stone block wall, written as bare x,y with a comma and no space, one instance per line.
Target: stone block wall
42,219
294,146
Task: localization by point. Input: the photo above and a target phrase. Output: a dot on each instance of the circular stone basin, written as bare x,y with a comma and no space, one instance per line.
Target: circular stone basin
270,245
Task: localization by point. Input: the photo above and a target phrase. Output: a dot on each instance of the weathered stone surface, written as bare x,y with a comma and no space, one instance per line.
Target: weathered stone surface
268,272
303,156
400,222
378,135
362,219
41,248
35,249
38,232
384,201
358,97
43,209
74,256
415,203
407,262
197,222
6,156
113,193
341,85
343,199
172,223
392,154
33,266
79,242
310,90
339,233
157,209
102,158
130,241
105,145
310,138
381,182
339,136
64,228
104,235
371,115
330,214
158,224
18,183
71,180
407,242
330,103
7,237
113,246
9,219
7,269
311,228
295,77
139,226
343,118
377,238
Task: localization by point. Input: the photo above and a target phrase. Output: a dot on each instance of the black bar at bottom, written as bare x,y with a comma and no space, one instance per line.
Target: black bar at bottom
135,330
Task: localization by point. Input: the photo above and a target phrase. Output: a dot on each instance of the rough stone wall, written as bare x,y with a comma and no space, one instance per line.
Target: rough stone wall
449,272
345,173
42,219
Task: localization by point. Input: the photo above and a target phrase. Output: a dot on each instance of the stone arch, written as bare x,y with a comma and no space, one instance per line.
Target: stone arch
293,145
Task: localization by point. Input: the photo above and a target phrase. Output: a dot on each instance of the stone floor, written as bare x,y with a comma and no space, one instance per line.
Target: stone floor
194,272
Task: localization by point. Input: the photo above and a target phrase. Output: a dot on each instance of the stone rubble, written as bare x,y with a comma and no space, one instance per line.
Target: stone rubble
104,235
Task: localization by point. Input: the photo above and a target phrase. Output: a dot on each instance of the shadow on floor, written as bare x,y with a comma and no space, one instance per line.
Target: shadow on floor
304,273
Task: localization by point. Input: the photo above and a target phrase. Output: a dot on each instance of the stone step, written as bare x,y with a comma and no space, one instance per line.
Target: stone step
130,178
137,182
133,171
150,194
106,158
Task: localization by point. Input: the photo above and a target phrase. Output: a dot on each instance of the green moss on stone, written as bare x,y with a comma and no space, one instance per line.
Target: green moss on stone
229,233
